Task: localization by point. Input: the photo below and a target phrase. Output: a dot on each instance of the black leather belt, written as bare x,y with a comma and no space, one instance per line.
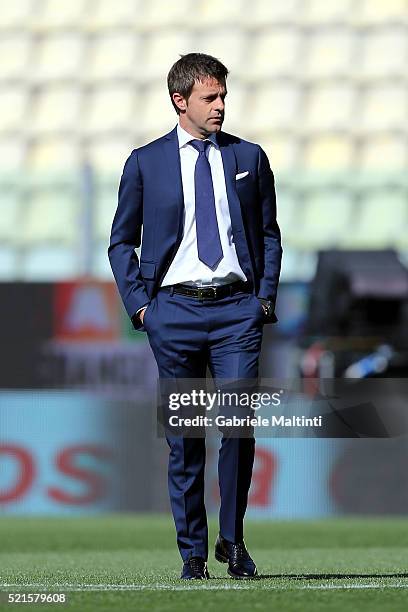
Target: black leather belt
210,292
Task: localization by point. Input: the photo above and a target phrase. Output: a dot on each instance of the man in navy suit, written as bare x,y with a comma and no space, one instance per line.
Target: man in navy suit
205,284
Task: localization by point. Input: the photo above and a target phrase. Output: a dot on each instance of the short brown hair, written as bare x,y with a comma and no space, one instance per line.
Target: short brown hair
191,68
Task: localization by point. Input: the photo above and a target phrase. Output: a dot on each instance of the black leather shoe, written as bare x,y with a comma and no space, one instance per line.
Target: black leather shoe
240,564
195,569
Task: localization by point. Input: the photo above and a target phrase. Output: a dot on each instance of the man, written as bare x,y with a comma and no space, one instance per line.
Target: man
205,284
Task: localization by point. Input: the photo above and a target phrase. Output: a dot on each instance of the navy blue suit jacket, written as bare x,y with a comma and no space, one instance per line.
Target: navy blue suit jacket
151,195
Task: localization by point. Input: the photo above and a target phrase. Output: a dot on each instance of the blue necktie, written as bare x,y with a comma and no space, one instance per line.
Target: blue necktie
208,236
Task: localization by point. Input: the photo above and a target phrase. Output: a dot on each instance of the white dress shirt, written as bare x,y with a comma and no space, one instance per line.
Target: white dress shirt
186,268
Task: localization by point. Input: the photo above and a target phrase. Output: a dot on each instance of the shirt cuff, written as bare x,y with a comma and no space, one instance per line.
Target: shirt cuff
140,309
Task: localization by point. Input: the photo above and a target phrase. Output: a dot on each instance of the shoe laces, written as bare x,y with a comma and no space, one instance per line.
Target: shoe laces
197,565
239,551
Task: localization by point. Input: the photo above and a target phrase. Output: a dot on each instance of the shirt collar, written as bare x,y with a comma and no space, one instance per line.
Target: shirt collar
184,137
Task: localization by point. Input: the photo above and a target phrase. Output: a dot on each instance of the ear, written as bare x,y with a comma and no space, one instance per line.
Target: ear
179,101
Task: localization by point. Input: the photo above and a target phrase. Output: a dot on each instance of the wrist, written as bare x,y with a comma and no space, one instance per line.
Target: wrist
141,312
267,306
136,318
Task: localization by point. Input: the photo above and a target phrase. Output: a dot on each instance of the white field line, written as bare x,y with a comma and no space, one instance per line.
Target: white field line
204,586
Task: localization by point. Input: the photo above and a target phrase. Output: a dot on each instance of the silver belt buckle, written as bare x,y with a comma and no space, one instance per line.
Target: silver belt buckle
202,290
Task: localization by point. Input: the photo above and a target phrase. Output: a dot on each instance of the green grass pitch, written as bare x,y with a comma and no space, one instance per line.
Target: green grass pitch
130,562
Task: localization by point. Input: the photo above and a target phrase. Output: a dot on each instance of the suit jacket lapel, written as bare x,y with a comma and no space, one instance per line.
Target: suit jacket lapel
229,161
172,155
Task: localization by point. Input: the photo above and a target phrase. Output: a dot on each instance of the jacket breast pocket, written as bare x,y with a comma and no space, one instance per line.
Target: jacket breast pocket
247,193
244,181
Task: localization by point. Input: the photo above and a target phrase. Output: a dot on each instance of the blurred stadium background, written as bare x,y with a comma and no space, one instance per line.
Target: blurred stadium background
322,85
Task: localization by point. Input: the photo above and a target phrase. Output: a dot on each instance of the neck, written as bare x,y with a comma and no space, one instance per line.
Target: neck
192,130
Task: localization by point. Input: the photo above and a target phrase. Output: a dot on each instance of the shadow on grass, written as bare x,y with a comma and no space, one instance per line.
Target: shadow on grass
316,576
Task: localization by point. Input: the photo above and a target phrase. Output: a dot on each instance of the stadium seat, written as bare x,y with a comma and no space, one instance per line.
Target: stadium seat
15,52
384,54
55,109
113,55
158,115
383,107
381,217
107,154
328,152
328,106
282,149
229,44
12,153
380,12
156,14
288,210
106,14
264,13
13,108
324,216
54,14
322,13
162,48
51,153
109,108
213,13
58,56
329,53
274,106
51,215
386,152
274,52
15,14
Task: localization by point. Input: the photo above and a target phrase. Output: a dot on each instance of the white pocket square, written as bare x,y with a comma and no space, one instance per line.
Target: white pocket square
241,175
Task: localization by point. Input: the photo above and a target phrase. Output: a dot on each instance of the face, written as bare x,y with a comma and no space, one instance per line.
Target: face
203,113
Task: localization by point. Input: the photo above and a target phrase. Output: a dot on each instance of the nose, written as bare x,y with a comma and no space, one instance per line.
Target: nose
219,104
